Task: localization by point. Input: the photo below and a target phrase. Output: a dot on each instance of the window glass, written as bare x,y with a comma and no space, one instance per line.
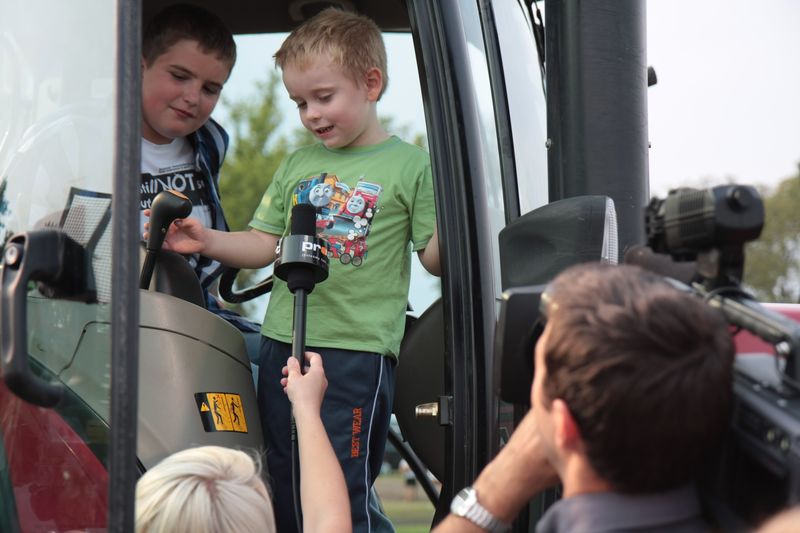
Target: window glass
490,160
526,102
57,143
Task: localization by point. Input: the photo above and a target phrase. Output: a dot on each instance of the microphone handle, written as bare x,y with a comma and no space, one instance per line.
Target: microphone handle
298,351
299,326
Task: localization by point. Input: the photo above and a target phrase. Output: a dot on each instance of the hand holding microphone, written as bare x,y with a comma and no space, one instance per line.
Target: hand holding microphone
305,386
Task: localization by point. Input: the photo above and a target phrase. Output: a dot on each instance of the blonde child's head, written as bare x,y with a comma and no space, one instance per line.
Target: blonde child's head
204,490
351,41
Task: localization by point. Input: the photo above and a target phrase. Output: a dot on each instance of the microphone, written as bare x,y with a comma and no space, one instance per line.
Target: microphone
301,257
302,262
661,264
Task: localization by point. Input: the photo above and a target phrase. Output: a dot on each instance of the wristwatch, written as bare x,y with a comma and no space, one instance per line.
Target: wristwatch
465,504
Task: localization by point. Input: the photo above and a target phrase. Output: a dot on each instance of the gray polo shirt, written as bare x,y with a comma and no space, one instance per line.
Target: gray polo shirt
675,511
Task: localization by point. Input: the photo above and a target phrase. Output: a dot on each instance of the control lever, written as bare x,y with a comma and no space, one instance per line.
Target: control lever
166,207
227,293
60,265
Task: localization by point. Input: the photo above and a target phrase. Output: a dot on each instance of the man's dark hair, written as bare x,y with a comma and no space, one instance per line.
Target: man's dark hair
645,370
180,22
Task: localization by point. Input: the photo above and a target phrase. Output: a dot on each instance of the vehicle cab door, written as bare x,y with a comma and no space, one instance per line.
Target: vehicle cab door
69,145
486,118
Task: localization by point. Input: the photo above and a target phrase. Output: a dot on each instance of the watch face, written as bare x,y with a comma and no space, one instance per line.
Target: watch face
463,500
465,504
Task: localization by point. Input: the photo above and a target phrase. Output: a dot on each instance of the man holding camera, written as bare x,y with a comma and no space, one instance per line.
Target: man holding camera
632,392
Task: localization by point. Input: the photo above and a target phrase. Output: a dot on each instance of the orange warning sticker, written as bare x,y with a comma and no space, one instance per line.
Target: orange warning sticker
221,411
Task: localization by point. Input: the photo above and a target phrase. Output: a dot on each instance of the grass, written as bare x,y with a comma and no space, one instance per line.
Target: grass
412,529
409,513
407,516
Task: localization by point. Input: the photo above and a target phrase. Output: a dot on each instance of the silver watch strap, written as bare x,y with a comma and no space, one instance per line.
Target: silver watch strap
466,505
479,516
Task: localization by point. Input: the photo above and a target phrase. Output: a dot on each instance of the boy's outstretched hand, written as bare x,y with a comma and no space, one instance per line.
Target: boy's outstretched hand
185,236
305,391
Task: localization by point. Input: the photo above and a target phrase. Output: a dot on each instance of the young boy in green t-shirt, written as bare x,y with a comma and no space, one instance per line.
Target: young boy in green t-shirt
374,199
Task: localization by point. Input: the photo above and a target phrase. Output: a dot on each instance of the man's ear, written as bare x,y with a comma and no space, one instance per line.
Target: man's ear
567,434
374,83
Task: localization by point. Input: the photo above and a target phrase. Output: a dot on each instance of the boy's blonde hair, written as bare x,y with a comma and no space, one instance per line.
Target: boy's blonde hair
204,490
353,41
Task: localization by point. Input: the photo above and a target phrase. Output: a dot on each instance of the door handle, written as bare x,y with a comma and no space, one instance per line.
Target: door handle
427,410
59,264
443,410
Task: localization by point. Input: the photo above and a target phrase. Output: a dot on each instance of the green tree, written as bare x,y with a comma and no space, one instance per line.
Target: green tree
772,267
255,153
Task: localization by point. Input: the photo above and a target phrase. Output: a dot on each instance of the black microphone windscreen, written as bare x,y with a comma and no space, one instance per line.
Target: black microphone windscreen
304,220
661,264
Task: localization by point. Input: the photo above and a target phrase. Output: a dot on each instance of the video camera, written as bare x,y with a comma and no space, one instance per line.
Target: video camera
696,239
758,471
711,227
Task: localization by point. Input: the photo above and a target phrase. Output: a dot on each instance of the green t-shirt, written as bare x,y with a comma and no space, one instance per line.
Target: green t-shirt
375,205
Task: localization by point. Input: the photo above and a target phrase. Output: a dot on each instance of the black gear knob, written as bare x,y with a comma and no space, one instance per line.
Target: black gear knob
166,207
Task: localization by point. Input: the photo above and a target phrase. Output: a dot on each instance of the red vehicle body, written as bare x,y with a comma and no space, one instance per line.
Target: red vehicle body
59,482
749,344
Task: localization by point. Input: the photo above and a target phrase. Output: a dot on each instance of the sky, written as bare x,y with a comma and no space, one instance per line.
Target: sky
727,102
726,105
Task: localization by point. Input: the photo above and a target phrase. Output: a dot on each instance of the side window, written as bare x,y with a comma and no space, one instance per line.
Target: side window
58,138
526,103
493,185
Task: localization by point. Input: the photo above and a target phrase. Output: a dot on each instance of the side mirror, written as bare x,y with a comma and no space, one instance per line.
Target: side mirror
533,250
